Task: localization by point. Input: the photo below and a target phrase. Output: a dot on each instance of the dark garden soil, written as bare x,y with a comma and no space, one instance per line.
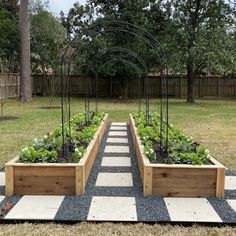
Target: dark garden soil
4,118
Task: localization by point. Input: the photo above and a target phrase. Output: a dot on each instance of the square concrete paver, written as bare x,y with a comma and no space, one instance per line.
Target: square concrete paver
2,178
117,133
119,124
230,182
116,149
232,203
116,161
114,180
113,209
1,198
36,208
115,127
191,210
117,140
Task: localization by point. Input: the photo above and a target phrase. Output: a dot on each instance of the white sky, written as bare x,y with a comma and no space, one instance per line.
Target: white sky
62,5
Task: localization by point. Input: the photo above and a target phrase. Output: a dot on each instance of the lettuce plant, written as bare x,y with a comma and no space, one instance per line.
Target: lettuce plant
181,148
49,148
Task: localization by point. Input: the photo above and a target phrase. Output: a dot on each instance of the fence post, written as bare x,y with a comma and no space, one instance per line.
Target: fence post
218,87
180,86
18,86
199,87
234,88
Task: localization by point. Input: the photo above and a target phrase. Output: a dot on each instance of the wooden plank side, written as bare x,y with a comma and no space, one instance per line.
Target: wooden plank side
43,185
103,128
187,192
220,184
91,158
44,180
9,180
32,170
132,125
138,148
184,182
140,161
175,173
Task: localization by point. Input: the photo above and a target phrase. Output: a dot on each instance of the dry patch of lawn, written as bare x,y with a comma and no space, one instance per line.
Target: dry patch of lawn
107,229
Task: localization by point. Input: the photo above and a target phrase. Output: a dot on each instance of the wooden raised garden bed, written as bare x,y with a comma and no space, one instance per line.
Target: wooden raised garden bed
53,178
178,180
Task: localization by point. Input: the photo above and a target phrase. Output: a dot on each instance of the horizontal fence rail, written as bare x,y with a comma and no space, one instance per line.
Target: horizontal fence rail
204,87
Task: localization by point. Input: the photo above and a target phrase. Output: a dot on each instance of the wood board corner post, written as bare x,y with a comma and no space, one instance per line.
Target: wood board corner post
9,180
220,182
147,181
80,180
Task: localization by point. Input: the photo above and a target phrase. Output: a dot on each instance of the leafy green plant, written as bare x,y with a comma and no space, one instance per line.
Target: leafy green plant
181,148
49,148
30,154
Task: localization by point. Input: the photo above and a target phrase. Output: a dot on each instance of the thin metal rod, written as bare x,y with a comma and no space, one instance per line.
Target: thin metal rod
96,93
140,101
62,113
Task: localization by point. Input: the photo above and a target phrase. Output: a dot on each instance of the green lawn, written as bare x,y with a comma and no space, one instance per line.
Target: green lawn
211,122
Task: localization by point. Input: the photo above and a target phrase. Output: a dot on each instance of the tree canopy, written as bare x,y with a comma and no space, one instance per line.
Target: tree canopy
47,38
198,36
9,40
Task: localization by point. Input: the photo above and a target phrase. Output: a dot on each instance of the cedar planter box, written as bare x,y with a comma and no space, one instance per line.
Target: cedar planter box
53,178
176,180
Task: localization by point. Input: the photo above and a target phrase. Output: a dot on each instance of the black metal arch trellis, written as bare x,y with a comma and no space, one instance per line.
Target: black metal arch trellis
125,62
101,55
133,66
101,28
134,55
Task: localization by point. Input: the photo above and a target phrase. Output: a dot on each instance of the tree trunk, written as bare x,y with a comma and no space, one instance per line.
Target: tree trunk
26,85
190,83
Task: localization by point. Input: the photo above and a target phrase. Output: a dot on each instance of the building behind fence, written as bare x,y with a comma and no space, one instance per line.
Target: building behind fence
214,87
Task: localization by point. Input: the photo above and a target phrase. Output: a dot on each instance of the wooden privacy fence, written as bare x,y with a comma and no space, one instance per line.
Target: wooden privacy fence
9,86
214,87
